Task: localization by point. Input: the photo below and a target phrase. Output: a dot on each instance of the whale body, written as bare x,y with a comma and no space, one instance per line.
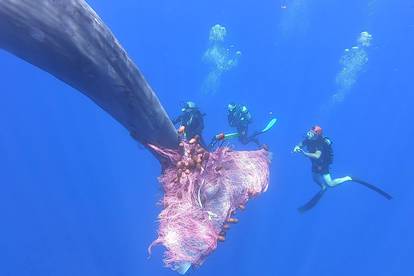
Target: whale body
68,39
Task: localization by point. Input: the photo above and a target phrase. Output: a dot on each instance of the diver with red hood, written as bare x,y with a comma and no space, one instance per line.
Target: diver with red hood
319,151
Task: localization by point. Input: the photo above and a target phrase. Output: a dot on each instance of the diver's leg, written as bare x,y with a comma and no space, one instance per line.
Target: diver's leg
318,179
243,136
255,134
317,197
252,138
335,182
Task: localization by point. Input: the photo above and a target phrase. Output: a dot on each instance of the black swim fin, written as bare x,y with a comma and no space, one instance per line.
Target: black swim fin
312,202
372,187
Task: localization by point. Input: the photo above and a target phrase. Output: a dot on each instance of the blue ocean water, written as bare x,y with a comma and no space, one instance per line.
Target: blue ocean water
79,195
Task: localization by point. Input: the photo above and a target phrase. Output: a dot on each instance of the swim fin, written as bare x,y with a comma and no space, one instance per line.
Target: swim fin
268,127
372,187
228,136
312,202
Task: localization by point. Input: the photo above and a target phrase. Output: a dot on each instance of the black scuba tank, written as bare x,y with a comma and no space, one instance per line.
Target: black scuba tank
328,151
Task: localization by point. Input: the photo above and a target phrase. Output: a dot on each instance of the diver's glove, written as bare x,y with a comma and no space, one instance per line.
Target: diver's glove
297,149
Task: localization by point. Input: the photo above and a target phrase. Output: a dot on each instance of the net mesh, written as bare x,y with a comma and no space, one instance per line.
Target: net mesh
201,191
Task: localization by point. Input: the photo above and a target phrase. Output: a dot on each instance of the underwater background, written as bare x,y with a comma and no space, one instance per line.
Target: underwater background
79,196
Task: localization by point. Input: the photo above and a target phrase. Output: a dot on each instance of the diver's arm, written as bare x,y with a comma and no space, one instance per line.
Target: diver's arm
315,155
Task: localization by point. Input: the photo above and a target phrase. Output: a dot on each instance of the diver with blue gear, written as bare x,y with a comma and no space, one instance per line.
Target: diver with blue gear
319,151
239,117
192,120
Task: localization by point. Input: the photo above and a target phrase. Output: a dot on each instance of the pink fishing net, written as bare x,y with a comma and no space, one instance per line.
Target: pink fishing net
202,191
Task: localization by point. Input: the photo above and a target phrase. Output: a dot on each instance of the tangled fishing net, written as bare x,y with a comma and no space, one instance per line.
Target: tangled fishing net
202,191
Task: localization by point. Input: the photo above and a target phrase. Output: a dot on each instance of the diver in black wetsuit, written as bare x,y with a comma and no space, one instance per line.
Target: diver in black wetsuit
319,151
192,120
239,117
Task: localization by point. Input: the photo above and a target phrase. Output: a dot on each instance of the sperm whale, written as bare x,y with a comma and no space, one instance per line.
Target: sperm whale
69,40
